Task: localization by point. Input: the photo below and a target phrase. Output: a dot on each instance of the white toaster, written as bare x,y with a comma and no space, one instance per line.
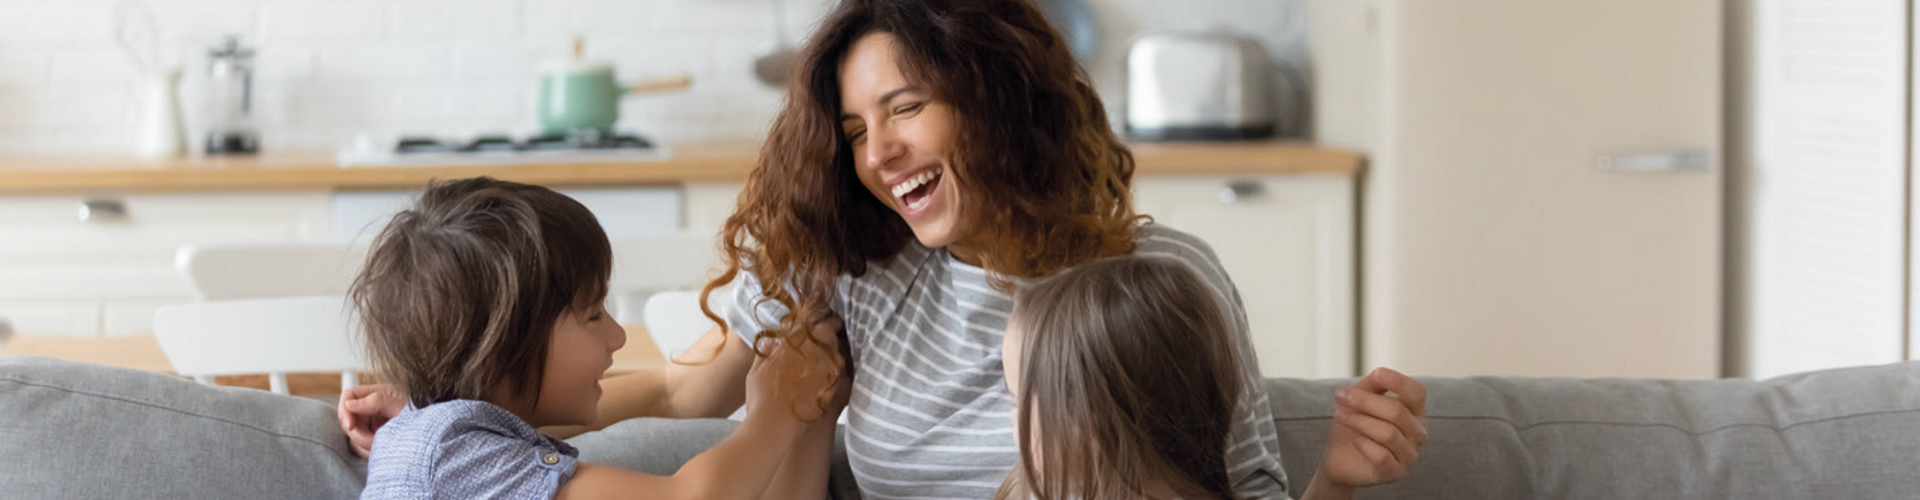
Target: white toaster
1198,86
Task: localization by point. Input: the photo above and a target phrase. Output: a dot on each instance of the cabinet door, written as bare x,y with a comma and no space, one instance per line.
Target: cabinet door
1287,243
53,253
1543,192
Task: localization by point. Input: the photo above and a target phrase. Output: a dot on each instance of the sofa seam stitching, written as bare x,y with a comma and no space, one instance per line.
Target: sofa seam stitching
1510,423
175,410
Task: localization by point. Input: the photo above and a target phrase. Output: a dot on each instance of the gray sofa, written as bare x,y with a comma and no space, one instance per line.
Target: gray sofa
71,430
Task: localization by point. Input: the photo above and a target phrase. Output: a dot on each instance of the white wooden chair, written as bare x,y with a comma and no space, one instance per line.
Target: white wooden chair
241,273
674,320
273,336
222,272
645,266
642,267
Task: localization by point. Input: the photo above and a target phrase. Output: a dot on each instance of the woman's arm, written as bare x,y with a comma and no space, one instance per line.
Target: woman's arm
738,468
698,384
742,466
803,476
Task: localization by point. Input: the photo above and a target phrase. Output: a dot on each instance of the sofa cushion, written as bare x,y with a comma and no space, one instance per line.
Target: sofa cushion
73,430
1848,433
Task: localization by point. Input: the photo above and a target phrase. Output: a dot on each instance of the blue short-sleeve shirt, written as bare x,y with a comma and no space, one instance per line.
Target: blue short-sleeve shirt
465,449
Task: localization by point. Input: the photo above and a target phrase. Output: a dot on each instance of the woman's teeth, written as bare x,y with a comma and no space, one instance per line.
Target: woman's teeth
903,188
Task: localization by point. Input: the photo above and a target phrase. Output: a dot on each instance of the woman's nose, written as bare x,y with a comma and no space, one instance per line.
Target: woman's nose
619,339
882,148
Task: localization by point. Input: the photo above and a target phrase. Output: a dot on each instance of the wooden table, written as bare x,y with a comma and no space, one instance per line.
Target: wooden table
143,353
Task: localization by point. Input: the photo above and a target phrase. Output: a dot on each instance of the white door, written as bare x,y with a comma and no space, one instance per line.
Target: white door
1494,243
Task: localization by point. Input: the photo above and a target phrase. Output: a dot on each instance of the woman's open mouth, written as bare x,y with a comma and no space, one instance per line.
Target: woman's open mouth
916,192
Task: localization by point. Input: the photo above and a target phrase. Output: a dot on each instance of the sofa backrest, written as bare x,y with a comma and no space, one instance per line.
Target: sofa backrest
73,430
1848,433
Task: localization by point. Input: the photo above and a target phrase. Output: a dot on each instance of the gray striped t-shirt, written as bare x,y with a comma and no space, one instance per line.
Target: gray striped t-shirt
928,416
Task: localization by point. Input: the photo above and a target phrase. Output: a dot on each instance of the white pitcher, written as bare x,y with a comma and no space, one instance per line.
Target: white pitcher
161,133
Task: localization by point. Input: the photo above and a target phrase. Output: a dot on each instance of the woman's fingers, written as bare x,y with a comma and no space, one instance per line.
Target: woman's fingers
1386,408
1381,433
1383,380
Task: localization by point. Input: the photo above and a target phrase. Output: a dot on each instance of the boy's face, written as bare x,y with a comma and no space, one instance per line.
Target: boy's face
579,354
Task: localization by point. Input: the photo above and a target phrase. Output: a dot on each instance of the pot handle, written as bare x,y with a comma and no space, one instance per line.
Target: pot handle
649,86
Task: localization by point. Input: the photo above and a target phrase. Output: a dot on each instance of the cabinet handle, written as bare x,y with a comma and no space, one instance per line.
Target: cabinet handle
1237,190
102,210
1679,160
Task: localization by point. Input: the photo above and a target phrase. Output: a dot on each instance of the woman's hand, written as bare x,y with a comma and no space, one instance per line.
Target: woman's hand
1378,427
787,381
364,409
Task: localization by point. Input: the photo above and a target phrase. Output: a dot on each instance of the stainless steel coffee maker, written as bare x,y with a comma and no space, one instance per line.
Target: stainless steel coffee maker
230,129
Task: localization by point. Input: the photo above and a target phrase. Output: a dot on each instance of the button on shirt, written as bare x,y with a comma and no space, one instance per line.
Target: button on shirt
465,449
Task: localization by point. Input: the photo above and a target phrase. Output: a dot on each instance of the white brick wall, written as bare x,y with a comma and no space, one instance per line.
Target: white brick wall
329,69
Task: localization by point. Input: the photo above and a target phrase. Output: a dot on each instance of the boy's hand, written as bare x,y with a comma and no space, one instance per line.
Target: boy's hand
791,380
1378,429
364,409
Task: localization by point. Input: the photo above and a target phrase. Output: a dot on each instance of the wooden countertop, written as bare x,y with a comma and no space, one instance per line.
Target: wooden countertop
691,162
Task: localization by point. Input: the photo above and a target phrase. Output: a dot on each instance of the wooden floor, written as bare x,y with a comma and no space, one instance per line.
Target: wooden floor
143,353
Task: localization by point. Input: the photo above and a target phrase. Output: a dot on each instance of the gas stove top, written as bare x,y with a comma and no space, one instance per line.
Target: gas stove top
422,150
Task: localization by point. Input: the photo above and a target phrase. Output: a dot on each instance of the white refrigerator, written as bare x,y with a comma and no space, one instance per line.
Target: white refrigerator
1543,192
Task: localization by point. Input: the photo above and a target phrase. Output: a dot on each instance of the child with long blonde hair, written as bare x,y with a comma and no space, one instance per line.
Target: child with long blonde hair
1124,374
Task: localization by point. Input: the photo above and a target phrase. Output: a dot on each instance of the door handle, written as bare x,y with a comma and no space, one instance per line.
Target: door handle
1690,160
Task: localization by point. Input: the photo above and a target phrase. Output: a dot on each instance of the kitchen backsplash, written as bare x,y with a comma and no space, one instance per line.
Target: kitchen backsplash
328,70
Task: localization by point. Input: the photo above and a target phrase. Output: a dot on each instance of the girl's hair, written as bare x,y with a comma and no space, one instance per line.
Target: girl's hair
1130,376
1045,178
460,293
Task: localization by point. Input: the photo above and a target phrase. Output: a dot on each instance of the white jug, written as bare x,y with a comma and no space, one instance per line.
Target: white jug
161,133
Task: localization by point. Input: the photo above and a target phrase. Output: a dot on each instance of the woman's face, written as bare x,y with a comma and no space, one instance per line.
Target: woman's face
901,139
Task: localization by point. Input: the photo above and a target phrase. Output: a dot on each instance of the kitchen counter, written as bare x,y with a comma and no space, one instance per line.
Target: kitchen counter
690,162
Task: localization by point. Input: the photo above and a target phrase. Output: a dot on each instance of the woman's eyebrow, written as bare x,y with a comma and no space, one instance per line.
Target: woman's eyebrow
884,100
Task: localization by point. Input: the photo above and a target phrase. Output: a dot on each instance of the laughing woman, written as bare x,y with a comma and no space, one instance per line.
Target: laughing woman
932,157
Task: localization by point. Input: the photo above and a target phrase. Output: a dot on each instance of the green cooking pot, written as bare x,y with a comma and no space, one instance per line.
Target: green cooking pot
575,96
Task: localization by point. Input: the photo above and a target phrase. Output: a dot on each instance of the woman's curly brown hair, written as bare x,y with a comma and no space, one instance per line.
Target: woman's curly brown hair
1046,179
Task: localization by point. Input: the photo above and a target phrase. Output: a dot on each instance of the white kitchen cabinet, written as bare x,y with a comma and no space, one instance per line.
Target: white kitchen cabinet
1287,241
709,204
623,212
61,275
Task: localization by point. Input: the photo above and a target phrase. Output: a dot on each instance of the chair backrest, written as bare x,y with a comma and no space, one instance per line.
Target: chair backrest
670,262
273,336
226,272
674,319
643,267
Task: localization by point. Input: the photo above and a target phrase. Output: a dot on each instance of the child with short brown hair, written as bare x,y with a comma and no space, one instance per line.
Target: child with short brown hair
482,304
